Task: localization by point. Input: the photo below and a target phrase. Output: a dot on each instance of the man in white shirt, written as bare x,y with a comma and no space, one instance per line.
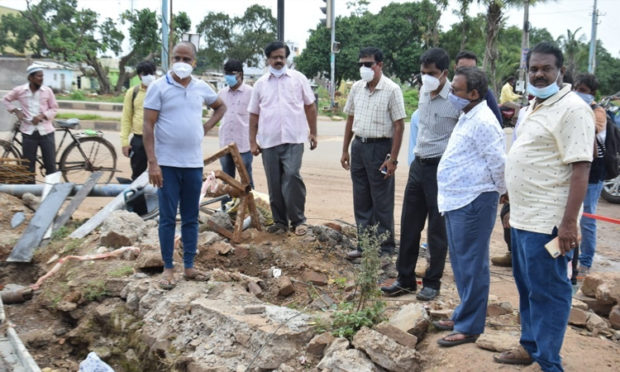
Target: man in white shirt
547,172
470,178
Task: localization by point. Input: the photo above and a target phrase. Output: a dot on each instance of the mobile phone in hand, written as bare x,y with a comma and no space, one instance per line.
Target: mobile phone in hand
384,169
553,247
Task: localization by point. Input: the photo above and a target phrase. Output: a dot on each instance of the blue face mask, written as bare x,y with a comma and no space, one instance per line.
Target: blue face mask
231,80
546,92
458,102
588,98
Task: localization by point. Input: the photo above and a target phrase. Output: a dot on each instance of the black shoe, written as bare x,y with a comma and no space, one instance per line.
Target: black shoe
427,294
398,289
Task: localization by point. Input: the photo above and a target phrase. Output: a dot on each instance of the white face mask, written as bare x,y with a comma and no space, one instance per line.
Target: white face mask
277,72
367,74
147,79
429,83
182,69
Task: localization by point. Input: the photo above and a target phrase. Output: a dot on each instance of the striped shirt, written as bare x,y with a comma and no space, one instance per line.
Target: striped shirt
375,112
438,118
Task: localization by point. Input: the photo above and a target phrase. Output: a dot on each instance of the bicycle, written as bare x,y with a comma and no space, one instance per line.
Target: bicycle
86,152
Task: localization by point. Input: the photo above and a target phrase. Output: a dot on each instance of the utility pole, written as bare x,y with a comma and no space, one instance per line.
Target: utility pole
525,48
171,37
592,56
332,56
164,35
281,20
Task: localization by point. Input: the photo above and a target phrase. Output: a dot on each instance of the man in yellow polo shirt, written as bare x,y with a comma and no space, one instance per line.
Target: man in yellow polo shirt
547,176
133,114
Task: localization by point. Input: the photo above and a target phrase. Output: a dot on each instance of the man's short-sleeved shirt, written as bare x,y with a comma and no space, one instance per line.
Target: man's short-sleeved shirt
279,103
179,128
438,118
375,112
235,125
558,132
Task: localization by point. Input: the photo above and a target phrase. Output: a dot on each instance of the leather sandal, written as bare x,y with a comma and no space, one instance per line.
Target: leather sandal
518,356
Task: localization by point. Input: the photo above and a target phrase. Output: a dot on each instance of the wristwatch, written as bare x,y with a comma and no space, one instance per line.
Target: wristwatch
394,161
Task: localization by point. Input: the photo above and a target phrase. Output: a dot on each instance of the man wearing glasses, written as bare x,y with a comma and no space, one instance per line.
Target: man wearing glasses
375,110
282,112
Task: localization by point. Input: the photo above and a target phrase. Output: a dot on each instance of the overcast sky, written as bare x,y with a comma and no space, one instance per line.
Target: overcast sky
303,15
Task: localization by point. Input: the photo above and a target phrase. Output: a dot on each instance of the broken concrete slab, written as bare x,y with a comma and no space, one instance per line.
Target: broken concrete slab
149,260
319,343
40,222
339,358
386,352
403,338
121,229
191,312
578,317
498,341
316,278
411,318
284,286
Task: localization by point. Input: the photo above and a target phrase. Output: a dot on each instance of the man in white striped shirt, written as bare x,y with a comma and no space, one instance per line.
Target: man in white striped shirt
437,120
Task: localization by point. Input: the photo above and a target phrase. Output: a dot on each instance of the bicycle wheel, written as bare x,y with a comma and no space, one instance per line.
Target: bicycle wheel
8,151
98,155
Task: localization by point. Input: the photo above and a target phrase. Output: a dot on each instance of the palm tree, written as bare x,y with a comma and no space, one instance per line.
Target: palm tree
494,18
573,48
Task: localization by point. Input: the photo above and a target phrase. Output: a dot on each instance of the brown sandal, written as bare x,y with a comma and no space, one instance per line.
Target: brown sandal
518,356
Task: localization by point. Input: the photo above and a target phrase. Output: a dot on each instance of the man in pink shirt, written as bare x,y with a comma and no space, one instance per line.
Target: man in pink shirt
282,111
38,109
236,121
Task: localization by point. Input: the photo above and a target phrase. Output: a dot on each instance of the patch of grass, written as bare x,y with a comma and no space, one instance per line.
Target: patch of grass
347,321
69,115
94,290
340,282
61,233
121,271
72,246
78,95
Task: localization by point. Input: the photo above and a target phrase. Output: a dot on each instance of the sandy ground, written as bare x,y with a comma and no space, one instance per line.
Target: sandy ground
329,197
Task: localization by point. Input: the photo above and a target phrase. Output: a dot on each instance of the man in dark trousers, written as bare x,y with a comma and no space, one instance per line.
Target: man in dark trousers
438,118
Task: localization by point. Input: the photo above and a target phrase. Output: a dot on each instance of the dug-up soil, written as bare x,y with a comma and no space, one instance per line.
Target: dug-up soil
47,323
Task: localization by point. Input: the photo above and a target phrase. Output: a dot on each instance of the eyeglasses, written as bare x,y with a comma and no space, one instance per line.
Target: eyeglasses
366,64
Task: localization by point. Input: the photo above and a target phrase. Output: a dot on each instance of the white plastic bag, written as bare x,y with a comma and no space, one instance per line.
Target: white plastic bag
92,363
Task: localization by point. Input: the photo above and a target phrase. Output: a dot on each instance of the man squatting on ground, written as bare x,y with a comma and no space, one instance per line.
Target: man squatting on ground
470,179
375,110
547,176
282,112
173,132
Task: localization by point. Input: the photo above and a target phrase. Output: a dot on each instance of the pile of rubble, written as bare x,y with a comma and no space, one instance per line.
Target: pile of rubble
596,306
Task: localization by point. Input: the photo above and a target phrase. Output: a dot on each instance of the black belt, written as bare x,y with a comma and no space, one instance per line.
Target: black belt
372,140
428,161
137,135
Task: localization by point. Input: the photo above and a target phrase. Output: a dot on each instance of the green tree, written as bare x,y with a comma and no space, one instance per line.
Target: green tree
242,38
79,36
401,30
573,49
